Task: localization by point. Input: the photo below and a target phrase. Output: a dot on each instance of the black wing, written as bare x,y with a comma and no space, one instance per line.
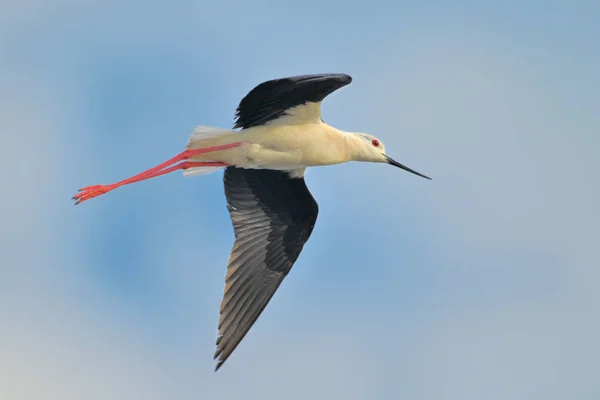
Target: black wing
271,99
273,216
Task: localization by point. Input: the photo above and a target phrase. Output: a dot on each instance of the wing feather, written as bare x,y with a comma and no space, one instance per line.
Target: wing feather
273,216
273,99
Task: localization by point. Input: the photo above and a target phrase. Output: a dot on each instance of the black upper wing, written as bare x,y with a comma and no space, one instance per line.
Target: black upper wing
271,99
273,216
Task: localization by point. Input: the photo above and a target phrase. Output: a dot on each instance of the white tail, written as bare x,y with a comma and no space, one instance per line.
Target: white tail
200,171
201,134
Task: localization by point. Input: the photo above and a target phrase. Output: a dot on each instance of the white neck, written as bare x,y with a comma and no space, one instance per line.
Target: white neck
356,146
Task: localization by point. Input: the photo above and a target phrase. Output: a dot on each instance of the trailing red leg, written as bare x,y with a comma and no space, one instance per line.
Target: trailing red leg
89,192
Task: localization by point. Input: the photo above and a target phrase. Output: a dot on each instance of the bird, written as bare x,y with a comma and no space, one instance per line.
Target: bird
281,133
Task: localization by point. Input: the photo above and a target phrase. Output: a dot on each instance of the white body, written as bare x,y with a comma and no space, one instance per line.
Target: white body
292,143
278,147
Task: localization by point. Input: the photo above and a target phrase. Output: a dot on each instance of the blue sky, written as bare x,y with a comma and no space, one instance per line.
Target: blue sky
479,284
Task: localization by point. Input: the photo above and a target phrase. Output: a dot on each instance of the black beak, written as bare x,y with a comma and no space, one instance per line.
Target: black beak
395,163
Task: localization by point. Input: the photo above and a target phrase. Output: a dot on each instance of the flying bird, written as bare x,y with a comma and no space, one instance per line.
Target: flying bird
272,211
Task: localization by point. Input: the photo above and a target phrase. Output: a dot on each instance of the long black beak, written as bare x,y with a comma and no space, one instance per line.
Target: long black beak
395,163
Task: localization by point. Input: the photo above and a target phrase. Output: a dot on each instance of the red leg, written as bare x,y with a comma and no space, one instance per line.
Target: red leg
186,165
89,192
180,157
94,191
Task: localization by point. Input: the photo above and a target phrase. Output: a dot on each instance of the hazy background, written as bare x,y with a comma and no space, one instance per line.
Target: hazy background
480,284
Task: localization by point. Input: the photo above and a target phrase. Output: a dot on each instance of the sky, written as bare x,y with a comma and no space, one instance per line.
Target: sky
479,284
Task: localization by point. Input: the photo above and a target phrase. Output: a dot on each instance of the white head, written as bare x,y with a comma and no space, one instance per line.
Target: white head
368,148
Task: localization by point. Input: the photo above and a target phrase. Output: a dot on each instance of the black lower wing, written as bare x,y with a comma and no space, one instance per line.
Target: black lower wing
273,216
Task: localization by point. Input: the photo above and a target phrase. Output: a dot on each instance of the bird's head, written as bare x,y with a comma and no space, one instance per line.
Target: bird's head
368,148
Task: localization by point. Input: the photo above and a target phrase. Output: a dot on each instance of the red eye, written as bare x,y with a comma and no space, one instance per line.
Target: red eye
375,142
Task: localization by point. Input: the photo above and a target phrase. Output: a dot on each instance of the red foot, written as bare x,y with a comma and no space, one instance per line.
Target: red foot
90,192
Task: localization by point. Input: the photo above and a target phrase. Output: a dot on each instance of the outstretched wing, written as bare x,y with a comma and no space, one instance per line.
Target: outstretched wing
273,216
273,99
